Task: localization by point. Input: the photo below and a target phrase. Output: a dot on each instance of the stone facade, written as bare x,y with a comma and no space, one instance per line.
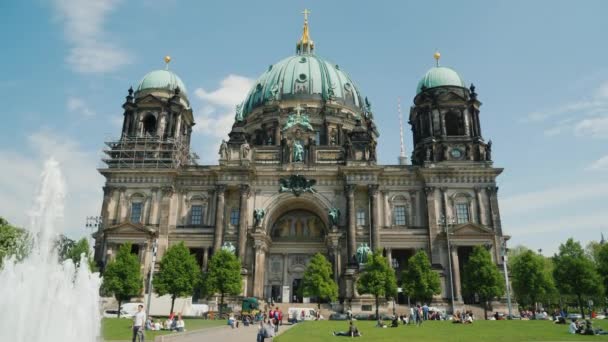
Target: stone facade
294,159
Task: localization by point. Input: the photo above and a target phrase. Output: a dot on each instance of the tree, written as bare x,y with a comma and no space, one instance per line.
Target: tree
223,276
70,249
122,278
482,278
575,274
318,281
14,241
602,265
178,273
377,278
529,278
418,280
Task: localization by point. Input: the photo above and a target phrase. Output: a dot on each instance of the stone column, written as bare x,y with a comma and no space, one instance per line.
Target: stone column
351,236
277,133
442,120
493,205
285,264
444,202
387,209
243,222
478,202
431,206
389,256
260,265
413,208
336,262
121,206
374,204
456,273
205,257
219,218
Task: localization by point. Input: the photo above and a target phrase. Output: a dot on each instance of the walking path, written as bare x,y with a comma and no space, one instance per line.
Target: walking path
223,333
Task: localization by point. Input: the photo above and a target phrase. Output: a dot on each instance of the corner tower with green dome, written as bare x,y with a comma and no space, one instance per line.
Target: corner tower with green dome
445,120
157,124
298,175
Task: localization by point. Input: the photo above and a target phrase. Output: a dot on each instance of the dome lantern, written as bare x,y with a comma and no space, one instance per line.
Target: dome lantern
305,45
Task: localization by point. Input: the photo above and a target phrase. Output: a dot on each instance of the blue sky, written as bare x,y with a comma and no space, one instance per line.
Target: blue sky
539,68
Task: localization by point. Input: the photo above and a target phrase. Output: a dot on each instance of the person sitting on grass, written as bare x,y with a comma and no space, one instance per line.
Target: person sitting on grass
395,323
573,327
168,324
180,325
352,331
456,317
468,319
158,325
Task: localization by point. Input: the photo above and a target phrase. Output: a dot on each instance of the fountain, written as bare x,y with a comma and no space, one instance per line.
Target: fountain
41,299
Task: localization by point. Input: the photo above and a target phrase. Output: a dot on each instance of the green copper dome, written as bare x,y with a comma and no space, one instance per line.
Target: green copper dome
440,76
161,79
303,77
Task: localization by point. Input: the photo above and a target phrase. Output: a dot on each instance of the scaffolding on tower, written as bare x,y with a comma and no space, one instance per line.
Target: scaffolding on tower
147,152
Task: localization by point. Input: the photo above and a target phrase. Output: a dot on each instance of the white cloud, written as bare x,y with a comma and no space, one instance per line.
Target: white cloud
531,202
215,119
596,127
83,21
79,106
231,92
584,118
21,176
599,165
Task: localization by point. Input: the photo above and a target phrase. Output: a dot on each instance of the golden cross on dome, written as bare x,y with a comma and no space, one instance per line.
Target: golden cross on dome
306,12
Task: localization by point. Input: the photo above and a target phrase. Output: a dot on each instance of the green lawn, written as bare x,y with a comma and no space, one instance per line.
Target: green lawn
120,328
486,331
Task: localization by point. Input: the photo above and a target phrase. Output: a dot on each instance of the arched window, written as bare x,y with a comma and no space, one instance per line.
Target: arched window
454,123
149,125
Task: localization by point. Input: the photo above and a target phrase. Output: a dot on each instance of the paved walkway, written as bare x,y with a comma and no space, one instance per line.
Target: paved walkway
223,333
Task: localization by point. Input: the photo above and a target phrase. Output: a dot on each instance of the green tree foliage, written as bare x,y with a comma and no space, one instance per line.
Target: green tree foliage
70,249
377,278
14,241
122,278
482,278
418,280
529,278
318,281
223,276
575,274
178,273
602,265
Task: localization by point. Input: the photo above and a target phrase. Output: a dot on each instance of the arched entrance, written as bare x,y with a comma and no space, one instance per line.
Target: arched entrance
297,234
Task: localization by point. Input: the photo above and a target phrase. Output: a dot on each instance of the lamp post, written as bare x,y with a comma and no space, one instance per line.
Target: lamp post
444,223
503,250
395,266
154,248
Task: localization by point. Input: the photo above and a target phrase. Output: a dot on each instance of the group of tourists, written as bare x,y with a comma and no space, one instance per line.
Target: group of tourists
172,323
584,328
268,328
465,317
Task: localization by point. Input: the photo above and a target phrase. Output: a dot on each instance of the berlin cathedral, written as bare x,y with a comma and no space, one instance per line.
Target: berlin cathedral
298,175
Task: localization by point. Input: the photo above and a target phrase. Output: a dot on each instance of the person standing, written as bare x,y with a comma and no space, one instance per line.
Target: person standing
139,321
425,312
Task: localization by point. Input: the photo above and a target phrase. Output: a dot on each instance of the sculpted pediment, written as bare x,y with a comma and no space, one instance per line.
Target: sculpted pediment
129,228
471,229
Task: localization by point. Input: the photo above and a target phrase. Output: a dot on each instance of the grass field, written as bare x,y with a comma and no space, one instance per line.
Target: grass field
120,328
431,331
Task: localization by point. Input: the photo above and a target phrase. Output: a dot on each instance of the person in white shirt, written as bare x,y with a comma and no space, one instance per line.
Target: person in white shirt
139,321
181,325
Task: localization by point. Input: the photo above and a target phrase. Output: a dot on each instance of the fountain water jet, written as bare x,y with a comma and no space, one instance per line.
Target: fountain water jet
42,300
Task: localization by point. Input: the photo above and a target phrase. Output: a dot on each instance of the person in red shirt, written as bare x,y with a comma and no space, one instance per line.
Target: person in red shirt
280,317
